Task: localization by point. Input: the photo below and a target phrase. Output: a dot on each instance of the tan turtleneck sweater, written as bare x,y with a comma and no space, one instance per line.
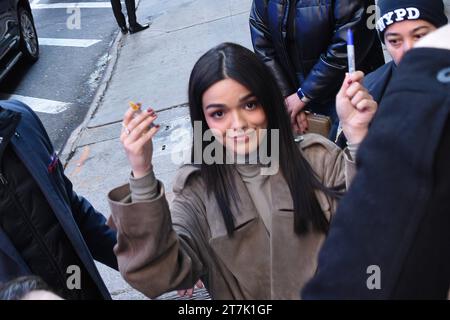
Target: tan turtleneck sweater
258,187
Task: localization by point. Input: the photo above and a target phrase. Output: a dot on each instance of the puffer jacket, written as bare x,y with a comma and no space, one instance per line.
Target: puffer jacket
309,50
44,225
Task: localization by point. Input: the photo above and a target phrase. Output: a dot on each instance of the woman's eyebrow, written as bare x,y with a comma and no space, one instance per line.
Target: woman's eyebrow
215,105
420,28
246,97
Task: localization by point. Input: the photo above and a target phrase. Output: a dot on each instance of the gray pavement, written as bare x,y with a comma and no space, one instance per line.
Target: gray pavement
152,67
64,74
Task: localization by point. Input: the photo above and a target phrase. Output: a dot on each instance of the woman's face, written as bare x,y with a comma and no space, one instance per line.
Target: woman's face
235,116
401,36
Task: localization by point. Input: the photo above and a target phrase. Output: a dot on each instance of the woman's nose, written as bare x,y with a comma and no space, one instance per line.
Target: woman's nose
408,45
238,121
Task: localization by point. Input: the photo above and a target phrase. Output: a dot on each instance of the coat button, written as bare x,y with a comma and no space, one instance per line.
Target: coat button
444,75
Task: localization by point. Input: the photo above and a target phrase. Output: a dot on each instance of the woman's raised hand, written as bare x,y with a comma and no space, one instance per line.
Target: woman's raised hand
136,137
355,107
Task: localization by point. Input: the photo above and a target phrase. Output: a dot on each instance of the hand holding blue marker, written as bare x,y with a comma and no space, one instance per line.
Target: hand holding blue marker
351,68
350,52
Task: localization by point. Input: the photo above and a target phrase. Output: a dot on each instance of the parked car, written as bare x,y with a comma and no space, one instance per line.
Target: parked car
18,37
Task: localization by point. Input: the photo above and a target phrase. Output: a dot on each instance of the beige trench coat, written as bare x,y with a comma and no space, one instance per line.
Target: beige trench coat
161,249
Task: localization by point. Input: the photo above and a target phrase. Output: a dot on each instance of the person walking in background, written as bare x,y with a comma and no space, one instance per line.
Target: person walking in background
304,44
133,25
46,229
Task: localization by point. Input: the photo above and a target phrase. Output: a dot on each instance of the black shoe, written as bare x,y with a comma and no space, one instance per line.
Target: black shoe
137,27
124,30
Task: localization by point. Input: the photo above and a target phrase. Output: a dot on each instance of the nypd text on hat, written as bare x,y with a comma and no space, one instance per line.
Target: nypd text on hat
397,15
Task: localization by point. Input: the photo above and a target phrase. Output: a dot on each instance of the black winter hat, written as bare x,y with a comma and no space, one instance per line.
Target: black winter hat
392,11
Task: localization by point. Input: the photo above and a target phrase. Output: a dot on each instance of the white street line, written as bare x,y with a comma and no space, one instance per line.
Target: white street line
87,5
33,2
81,43
37,104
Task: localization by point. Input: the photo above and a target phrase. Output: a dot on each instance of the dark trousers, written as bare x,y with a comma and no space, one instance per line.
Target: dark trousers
131,11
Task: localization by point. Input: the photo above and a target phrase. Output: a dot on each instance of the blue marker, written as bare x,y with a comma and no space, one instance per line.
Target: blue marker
350,52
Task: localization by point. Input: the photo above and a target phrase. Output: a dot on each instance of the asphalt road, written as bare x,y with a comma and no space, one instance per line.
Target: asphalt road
66,74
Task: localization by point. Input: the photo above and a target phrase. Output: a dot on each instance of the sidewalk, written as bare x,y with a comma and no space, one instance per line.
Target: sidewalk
152,67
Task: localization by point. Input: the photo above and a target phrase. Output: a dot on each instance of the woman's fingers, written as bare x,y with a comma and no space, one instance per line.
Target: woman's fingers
353,89
147,136
367,105
360,95
181,293
344,87
128,116
138,117
142,127
357,76
302,122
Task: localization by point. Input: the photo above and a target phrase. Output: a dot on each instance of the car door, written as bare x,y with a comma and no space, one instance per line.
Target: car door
8,26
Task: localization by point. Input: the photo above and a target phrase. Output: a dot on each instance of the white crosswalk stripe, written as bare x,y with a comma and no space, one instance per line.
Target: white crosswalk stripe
69,5
81,43
37,104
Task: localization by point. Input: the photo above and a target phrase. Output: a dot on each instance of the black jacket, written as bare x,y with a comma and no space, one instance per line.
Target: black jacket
84,229
396,214
318,61
377,81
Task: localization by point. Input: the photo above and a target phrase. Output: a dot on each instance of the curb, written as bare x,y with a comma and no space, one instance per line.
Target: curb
70,146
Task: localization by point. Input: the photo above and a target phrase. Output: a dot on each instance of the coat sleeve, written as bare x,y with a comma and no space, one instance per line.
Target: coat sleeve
159,249
334,166
264,47
99,237
328,73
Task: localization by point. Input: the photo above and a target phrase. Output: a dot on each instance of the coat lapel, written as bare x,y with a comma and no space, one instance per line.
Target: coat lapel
246,253
293,257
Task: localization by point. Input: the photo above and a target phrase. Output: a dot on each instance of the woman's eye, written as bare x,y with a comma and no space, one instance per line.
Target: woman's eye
251,105
217,114
394,42
419,36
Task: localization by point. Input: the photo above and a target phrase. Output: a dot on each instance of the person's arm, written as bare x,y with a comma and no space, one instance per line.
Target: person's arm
263,45
356,109
144,189
158,249
334,167
99,237
332,65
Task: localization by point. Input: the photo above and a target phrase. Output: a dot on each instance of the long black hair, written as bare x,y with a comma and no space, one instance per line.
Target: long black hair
232,61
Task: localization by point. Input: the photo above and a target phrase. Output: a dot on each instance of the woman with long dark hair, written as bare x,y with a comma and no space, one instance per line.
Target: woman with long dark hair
249,228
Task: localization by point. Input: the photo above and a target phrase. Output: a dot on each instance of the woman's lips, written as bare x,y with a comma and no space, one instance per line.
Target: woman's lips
241,138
